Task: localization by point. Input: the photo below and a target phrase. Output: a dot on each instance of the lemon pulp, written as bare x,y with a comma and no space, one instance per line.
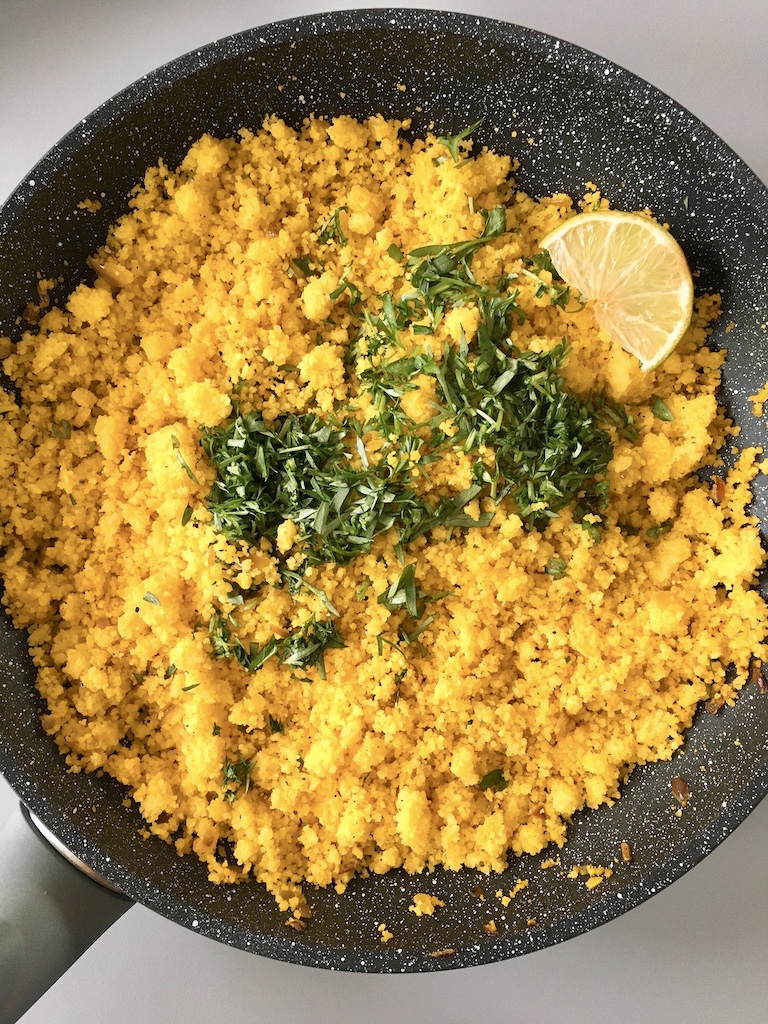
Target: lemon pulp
634,274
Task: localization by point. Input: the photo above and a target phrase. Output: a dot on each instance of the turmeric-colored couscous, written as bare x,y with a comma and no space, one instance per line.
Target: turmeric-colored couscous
297,569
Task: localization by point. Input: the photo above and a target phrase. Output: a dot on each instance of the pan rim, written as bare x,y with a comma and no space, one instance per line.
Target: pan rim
270,34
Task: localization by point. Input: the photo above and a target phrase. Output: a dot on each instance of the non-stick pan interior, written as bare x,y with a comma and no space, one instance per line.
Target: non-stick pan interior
577,118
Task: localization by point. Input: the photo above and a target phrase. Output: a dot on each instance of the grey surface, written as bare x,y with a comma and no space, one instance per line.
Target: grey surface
694,953
50,912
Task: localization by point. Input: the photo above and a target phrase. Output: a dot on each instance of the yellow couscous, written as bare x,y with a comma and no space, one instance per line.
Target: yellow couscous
445,697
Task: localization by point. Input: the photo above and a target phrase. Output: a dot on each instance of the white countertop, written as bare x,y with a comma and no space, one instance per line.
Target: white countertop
695,952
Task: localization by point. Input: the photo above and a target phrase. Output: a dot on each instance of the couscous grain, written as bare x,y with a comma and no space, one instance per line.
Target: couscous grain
361,719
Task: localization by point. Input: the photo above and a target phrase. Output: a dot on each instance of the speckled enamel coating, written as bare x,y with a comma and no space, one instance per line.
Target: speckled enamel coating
587,120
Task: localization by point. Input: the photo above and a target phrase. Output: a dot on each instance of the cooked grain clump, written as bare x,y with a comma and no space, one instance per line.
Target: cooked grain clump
554,659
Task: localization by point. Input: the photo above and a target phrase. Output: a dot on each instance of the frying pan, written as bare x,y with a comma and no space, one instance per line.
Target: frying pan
589,121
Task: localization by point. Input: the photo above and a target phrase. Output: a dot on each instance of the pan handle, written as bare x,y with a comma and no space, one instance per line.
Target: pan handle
51,911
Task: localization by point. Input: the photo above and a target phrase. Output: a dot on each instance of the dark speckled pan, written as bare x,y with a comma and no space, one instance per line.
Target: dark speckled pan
589,120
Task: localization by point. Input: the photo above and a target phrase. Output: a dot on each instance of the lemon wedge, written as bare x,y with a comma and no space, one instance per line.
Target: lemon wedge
633,273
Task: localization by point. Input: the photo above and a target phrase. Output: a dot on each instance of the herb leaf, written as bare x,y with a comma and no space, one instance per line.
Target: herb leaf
494,780
332,229
547,444
451,142
302,649
559,292
237,776
62,429
307,647
543,261
556,567
662,411
181,460
660,529
402,593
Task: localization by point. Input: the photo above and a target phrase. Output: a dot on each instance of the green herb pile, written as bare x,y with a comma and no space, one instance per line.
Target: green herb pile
345,480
